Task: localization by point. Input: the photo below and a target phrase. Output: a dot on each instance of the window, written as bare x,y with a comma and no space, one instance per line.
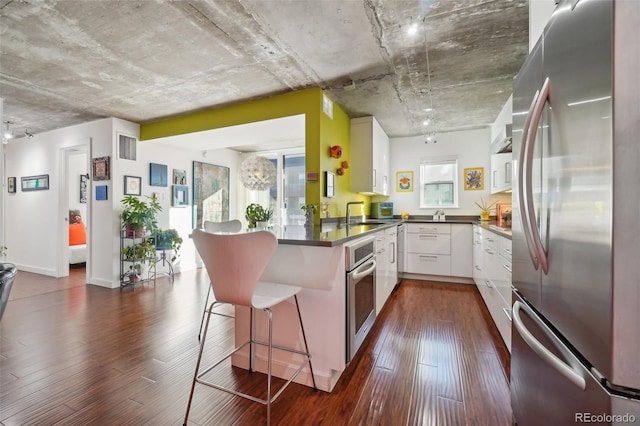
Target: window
439,183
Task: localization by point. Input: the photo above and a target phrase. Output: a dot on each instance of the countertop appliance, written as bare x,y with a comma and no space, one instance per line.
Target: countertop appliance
576,347
360,266
382,210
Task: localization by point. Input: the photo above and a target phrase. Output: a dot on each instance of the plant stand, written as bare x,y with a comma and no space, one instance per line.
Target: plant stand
165,262
129,276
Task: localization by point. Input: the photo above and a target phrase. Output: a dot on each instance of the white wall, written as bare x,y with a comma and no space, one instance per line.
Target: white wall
472,150
34,220
180,218
539,13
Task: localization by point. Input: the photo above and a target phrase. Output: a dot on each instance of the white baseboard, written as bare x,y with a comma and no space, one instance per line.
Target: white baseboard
439,278
36,270
102,282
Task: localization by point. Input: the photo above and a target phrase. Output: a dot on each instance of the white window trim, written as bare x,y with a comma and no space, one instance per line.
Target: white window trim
456,181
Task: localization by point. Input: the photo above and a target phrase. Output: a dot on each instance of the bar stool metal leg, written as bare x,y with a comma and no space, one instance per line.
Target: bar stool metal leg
204,311
306,347
270,361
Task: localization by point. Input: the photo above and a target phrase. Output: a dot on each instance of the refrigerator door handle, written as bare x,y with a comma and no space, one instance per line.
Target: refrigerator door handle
531,137
544,353
524,214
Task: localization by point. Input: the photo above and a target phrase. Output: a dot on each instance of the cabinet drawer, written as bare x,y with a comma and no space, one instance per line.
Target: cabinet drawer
490,240
429,228
429,243
499,310
432,264
504,247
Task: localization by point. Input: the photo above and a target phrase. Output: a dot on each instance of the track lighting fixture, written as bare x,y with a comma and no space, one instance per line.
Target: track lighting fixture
27,134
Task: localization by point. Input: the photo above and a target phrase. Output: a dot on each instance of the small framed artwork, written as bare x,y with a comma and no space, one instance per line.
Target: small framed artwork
404,181
474,179
179,177
102,192
84,183
180,196
35,183
132,185
158,174
101,168
11,185
126,147
329,184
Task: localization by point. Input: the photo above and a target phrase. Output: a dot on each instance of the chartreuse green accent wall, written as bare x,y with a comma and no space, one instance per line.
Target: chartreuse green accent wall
321,132
337,131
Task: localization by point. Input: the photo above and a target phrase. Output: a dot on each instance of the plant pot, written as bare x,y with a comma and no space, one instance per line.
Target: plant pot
309,219
262,224
484,215
133,231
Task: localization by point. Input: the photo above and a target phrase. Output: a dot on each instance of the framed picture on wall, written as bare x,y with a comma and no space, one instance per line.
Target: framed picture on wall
180,196
329,184
101,168
474,179
127,147
84,183
404,181
158,174
132,185
35,183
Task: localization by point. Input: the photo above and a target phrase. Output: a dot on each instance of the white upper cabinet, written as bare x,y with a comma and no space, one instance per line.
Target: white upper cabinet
501,172
369,157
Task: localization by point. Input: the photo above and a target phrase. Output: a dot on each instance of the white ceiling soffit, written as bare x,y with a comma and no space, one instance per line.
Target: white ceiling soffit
267,135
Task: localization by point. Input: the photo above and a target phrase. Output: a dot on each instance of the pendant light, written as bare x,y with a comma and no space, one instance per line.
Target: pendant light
257,173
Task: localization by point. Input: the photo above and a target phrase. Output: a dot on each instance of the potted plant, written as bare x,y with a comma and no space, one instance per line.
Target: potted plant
139,216
485,208
257,215
169,239
138,254
309,212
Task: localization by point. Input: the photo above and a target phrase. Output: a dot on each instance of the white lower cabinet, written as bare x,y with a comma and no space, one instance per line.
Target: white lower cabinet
386,246
492,275
439,249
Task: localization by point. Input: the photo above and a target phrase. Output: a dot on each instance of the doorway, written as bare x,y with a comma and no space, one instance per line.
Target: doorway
75,212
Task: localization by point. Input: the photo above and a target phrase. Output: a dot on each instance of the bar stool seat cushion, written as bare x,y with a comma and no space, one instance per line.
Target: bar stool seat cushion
268,294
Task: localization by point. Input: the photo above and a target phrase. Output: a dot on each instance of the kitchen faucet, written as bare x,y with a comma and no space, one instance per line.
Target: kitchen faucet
348,218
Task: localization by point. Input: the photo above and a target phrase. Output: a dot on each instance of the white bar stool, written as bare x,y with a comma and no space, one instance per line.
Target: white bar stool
229,226
235,263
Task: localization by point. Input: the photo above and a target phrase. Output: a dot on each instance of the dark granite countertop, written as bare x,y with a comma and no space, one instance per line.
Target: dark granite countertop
333,232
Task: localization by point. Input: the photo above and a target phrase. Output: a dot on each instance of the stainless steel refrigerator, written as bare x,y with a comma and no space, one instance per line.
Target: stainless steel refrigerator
576,219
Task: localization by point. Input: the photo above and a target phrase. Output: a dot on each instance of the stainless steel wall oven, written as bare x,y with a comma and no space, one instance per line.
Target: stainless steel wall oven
361,292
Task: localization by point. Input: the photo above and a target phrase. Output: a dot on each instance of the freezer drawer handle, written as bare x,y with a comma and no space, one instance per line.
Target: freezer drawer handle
544,353
507,268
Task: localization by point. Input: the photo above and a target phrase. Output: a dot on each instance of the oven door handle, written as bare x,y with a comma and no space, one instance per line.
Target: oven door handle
357,273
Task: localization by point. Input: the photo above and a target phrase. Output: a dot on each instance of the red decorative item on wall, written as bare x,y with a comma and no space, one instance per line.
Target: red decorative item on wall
345,164
340,171
335,151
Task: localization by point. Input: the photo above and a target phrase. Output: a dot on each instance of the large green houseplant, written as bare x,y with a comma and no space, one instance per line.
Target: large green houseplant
139,217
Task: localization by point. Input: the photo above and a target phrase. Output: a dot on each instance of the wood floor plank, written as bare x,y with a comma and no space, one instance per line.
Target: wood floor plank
77,355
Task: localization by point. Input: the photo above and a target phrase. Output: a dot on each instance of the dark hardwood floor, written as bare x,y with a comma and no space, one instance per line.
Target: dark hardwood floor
81,354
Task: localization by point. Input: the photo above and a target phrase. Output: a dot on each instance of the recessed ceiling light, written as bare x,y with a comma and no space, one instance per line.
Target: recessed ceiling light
428,109
425,123
413,28
429,138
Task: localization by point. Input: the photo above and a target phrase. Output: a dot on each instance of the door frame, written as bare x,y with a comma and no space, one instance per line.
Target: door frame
63,212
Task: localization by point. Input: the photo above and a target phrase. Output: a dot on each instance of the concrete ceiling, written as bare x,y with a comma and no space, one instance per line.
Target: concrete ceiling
66,62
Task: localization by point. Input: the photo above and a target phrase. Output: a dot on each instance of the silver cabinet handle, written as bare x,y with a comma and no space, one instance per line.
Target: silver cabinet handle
428,258
478,268
544,353
393,252
507,268
428,230
428,237
507,251
489,251
490,240
507,172
488,283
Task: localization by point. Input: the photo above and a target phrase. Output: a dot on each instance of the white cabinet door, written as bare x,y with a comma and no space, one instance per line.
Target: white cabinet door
369,157
501,172
461,250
